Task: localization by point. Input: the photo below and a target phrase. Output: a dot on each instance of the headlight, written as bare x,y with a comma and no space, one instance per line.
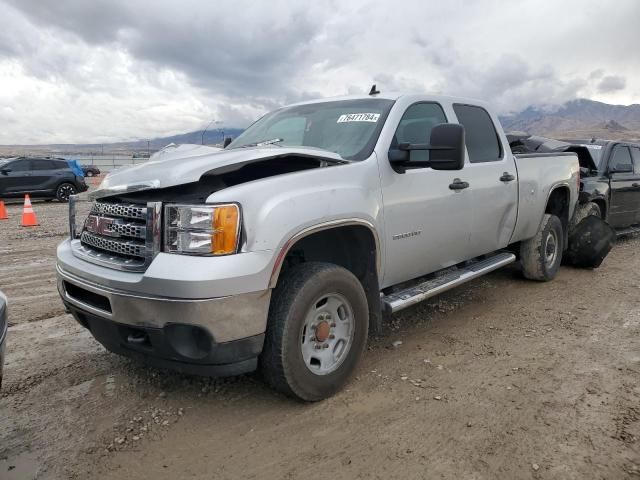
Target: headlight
202,229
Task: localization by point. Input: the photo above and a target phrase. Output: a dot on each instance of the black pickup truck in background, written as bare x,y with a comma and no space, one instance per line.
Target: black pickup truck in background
609,176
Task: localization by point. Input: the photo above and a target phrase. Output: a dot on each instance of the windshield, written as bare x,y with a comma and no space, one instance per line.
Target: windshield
349,128
595,151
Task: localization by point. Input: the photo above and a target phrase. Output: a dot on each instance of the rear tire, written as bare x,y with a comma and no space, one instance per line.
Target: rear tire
294,360
64,191
89,174
541,255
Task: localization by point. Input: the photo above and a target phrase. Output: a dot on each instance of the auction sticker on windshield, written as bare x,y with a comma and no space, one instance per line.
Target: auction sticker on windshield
359,117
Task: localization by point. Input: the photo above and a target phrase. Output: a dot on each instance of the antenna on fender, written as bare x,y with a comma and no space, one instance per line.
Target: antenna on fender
374,90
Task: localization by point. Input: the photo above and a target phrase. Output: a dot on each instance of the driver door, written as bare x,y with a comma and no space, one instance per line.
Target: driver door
427,223
18,178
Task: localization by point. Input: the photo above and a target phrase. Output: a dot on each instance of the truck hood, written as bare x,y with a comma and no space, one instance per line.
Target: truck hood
188,163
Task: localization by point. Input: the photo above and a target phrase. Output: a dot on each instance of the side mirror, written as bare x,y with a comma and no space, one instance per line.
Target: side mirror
227,141
622,168
447,147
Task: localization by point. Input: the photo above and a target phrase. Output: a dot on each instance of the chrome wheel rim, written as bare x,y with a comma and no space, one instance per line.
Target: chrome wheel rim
327,334
551,249
65,192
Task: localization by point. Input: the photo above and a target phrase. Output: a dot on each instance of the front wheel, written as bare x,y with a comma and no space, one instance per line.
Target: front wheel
89,173
541,255
64,191
583,211
316,332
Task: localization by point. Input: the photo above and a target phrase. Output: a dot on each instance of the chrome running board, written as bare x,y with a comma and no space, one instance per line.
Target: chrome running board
397,301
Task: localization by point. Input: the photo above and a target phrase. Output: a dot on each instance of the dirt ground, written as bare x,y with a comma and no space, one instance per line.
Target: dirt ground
503,378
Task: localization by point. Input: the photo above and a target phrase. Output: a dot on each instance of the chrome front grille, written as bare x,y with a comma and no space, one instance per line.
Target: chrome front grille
120,210
121,236
119,247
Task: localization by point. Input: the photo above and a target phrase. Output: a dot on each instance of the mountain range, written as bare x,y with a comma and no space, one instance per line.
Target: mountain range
575,119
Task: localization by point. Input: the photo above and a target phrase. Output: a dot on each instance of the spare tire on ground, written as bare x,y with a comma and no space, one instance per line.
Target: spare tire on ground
590,242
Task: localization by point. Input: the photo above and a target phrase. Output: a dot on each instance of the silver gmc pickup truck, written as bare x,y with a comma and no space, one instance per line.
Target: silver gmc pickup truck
283,251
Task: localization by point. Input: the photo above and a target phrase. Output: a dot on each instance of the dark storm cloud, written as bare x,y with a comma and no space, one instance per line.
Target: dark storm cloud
232,48
77,70
611,83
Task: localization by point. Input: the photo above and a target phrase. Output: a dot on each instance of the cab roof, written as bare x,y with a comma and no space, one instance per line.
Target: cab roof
411,96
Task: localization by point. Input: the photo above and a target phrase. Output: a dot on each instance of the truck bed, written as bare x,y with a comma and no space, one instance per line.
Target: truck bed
534,187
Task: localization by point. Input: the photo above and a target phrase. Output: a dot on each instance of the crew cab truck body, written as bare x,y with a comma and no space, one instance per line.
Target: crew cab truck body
282,251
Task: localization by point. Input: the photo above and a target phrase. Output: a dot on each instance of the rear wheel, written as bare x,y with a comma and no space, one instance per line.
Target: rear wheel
317,331
64,191
541,255
89,173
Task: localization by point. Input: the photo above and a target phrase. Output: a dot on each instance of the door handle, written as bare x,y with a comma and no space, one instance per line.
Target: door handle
458,184
635,185
507,177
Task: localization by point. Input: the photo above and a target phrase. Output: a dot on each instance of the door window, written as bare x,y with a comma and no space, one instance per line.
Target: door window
415,127
621,160
19,166
481,137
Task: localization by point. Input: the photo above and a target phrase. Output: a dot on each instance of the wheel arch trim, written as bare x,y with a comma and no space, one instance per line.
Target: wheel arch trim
319,227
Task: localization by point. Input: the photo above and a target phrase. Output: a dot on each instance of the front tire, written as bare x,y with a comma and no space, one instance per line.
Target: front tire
541,255
316,332
64,191
583,211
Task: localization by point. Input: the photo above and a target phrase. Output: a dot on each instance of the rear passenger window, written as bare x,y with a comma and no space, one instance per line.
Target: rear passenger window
621,160
415,127
58,165
483,144
41,164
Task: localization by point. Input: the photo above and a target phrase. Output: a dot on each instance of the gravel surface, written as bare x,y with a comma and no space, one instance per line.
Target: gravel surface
503,378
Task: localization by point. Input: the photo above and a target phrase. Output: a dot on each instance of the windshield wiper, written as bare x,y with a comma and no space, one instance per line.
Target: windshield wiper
263,143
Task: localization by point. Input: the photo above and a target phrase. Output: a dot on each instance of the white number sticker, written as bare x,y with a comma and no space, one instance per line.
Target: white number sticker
359,117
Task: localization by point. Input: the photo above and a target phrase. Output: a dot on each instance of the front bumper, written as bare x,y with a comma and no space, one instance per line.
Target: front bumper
162,319
174,346
224,318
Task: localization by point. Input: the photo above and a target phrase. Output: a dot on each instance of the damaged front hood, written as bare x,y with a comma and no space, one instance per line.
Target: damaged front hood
182,164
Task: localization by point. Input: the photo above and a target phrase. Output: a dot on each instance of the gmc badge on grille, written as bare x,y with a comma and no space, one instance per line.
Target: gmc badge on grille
100,225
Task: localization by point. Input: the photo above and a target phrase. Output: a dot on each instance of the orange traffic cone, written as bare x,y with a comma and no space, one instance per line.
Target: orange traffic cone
28,215
3,211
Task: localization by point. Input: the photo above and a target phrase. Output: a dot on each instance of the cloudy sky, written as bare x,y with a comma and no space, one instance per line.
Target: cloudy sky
107,70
